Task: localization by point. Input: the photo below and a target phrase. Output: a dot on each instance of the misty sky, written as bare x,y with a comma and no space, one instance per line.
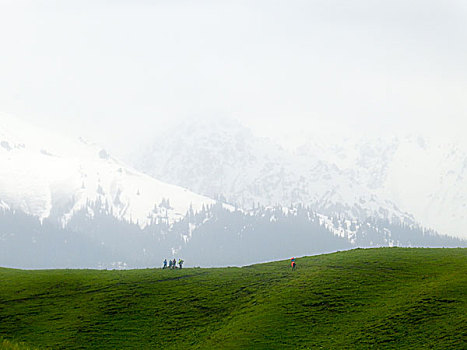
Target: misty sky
115,71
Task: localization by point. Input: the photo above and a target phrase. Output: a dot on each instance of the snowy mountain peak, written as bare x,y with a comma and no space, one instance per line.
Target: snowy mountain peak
47,175
231,161
408,178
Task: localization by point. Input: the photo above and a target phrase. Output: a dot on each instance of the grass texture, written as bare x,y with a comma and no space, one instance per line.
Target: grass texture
385,298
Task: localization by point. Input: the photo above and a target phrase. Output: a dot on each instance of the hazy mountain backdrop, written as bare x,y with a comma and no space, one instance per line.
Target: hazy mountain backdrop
216,194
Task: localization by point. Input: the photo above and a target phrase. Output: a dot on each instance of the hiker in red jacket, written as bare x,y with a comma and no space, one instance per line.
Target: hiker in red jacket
292,263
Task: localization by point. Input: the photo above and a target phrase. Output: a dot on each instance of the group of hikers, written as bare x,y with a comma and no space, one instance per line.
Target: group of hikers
173,264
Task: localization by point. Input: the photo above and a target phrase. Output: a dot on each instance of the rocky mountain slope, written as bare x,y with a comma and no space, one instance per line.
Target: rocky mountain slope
406,179
224,158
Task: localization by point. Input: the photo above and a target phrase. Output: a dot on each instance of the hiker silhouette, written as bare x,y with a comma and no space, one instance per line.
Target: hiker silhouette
292,263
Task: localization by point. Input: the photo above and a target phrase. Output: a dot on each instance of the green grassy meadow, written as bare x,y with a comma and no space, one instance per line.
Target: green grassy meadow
401,298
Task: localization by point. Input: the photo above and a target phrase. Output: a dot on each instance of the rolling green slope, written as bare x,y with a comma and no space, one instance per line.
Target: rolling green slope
373,298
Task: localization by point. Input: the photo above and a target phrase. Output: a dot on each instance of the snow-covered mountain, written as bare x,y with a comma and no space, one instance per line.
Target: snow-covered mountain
224,158
70,204
423,176
408,179
46,175
214,236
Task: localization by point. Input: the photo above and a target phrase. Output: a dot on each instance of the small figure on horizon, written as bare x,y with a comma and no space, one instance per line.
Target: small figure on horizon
165,264
292,263
174,264
170,264
180,262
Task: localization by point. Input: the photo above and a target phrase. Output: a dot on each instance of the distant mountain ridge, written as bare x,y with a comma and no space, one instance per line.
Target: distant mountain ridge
71,204
48,176
407,179
213,236
226,159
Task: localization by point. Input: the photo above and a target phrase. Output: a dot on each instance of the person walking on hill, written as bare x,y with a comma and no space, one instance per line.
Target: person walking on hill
292,263
174,264
165,264
170,264
180,262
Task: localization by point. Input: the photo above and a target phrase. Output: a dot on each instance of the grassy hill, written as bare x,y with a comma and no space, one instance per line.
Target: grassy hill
373,298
